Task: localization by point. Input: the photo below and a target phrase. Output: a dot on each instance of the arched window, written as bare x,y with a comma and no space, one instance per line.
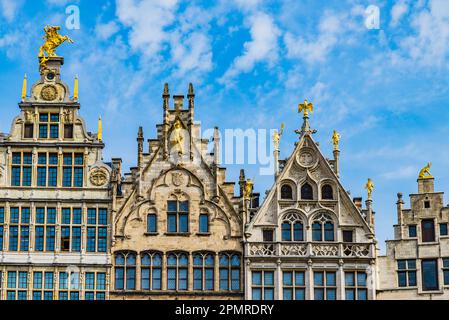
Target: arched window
306,192
322,228
327,192
125,271
177,270
151,269
230,266
152,223
286,192
203,271
292,228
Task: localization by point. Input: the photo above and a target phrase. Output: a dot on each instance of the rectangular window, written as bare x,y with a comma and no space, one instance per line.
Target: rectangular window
151,223
43,131
178,216
446,271
68,131
428,230
262,285
407,273
267,235
54,131
29,131
293,285
21,169
443,229
204,223
2,221
355,286
412,231
325,285
429,274
347,236
91,239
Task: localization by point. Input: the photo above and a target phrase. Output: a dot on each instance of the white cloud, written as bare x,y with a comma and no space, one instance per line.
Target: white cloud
10,8
397,12
263,46
106,30
401,173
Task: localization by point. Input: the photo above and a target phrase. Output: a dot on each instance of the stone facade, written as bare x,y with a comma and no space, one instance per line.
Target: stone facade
416,264
309,240
177,224
54,199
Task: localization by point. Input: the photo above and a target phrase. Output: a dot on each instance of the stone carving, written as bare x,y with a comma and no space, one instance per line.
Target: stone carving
288,249
177,178
305,159
67,116
49,93
99,177
356,250
29,116
1,171
325,250
262,249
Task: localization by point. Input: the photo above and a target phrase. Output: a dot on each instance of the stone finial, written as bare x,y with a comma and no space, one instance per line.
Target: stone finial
191,92
166,90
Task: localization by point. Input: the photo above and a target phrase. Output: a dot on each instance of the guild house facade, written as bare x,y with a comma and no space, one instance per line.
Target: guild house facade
73,227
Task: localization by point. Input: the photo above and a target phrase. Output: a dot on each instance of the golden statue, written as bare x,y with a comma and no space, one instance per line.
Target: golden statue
425,173
369,187
277,136
52,40
306,107
248,189
336,139
177,137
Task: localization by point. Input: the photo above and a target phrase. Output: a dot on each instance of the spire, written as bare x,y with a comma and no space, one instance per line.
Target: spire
305,107
75,89
139,146
24,88
100,129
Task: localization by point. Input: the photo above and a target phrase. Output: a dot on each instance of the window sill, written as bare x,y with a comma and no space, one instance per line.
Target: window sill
203,234
179,234
151,233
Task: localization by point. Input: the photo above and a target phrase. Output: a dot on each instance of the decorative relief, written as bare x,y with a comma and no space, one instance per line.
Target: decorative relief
67,116
262,249
356,250
325,250
29,116
2,171
49,93
289,249
99,177
306,158
178,178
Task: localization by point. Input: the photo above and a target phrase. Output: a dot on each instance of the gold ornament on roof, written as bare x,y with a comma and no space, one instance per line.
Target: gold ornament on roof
52,40
248,188
369,187
425,173
277,136
336,139
306,107
177,137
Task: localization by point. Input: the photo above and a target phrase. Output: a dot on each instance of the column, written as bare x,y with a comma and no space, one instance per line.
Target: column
217,272
341,281
190,274
138,271
278,281
164,272
309,280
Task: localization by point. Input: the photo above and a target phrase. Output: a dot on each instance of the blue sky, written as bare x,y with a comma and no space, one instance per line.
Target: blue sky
385,90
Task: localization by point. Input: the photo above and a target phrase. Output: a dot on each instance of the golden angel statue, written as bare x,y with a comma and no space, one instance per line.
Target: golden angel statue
306,107
177,138
248,189
425,173
52,40
369,187
336,139
277,136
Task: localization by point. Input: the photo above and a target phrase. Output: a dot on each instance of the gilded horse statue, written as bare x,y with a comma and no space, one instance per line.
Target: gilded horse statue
425,173
52,40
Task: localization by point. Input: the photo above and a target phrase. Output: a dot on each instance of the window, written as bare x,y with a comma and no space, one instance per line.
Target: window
43,285
286,192
306,192
412,231
323,228
262,285
2,221
21,169
44,229
177,271
68,131
267,235
48,123
348,236
72,170
28,132
429,275
97,220
203,271
426,204
17,285
428,230
443,229
446,271
407,273
151,278
355,286
19,229
294,286
71,229
95,286
204,223
325,285
47,170
69,285
327,192
125,271
178,216
229,271
152,223
292,228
